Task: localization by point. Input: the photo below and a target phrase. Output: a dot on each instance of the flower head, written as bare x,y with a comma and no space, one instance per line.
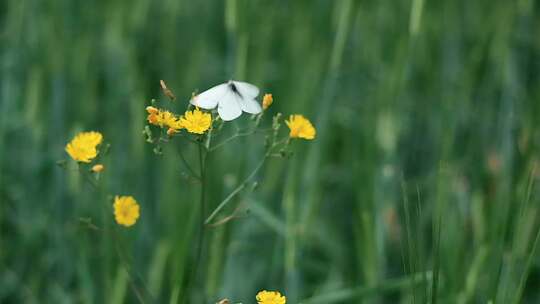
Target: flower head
270,297
126,210
163,118
267,101
152,110
300,127
98,168
196,121
82,147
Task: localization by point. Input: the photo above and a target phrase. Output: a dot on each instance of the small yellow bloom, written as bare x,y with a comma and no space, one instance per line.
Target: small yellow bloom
270,297
126,210
196,121
267,101
163,118
300,127
152,110
82,147
98,168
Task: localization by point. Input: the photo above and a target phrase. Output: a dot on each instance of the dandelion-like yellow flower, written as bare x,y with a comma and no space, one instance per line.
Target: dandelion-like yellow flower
82,147
267,101
196,121
270,297
163,118
126,210
300,127
98,168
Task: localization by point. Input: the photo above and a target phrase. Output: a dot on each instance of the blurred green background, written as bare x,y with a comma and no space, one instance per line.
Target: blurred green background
421,186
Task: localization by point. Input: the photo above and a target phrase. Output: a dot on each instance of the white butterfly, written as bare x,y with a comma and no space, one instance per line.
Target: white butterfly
231,98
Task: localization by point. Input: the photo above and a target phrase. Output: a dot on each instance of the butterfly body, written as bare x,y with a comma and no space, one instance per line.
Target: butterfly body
233,88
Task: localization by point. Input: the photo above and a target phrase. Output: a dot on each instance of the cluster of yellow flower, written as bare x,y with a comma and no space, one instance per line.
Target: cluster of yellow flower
195,121
83,148
163,118
198,122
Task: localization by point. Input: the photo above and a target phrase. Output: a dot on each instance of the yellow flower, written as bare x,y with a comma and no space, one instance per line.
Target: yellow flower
270,297
82,147
300,127
98,168
267,101
126,210
196,121
151,110
163,118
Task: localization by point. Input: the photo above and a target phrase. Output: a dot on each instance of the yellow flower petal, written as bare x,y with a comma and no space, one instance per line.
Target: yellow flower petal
98,168
270,297
126,210
162,118
82,147
300,127
152,110
267,101
196,121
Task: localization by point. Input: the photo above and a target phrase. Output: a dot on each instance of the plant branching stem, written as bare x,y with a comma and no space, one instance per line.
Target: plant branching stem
243,184
233,137
236,190
202,206
188,167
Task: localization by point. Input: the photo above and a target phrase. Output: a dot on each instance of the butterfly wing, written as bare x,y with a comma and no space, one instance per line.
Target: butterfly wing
248,93
246,89
229,106
249,105
209,99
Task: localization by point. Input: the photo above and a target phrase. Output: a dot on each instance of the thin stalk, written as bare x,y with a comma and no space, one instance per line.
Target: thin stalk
346,295
528,264
239,188
420,237
186,164
243,184
525,274
520,223
235,136
410,245
202,206
123,259
437,258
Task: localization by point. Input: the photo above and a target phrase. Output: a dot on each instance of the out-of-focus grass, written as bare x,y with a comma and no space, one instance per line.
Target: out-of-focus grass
422,185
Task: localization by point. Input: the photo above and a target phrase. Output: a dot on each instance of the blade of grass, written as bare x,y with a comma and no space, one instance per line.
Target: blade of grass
341,296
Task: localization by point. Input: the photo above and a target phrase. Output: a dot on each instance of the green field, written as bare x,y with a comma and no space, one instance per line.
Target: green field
421,186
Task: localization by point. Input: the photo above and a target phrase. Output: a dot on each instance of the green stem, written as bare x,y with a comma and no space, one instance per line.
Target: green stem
346,295
186,164
235,136
133,276
202,204
526,271
243,184
236,191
